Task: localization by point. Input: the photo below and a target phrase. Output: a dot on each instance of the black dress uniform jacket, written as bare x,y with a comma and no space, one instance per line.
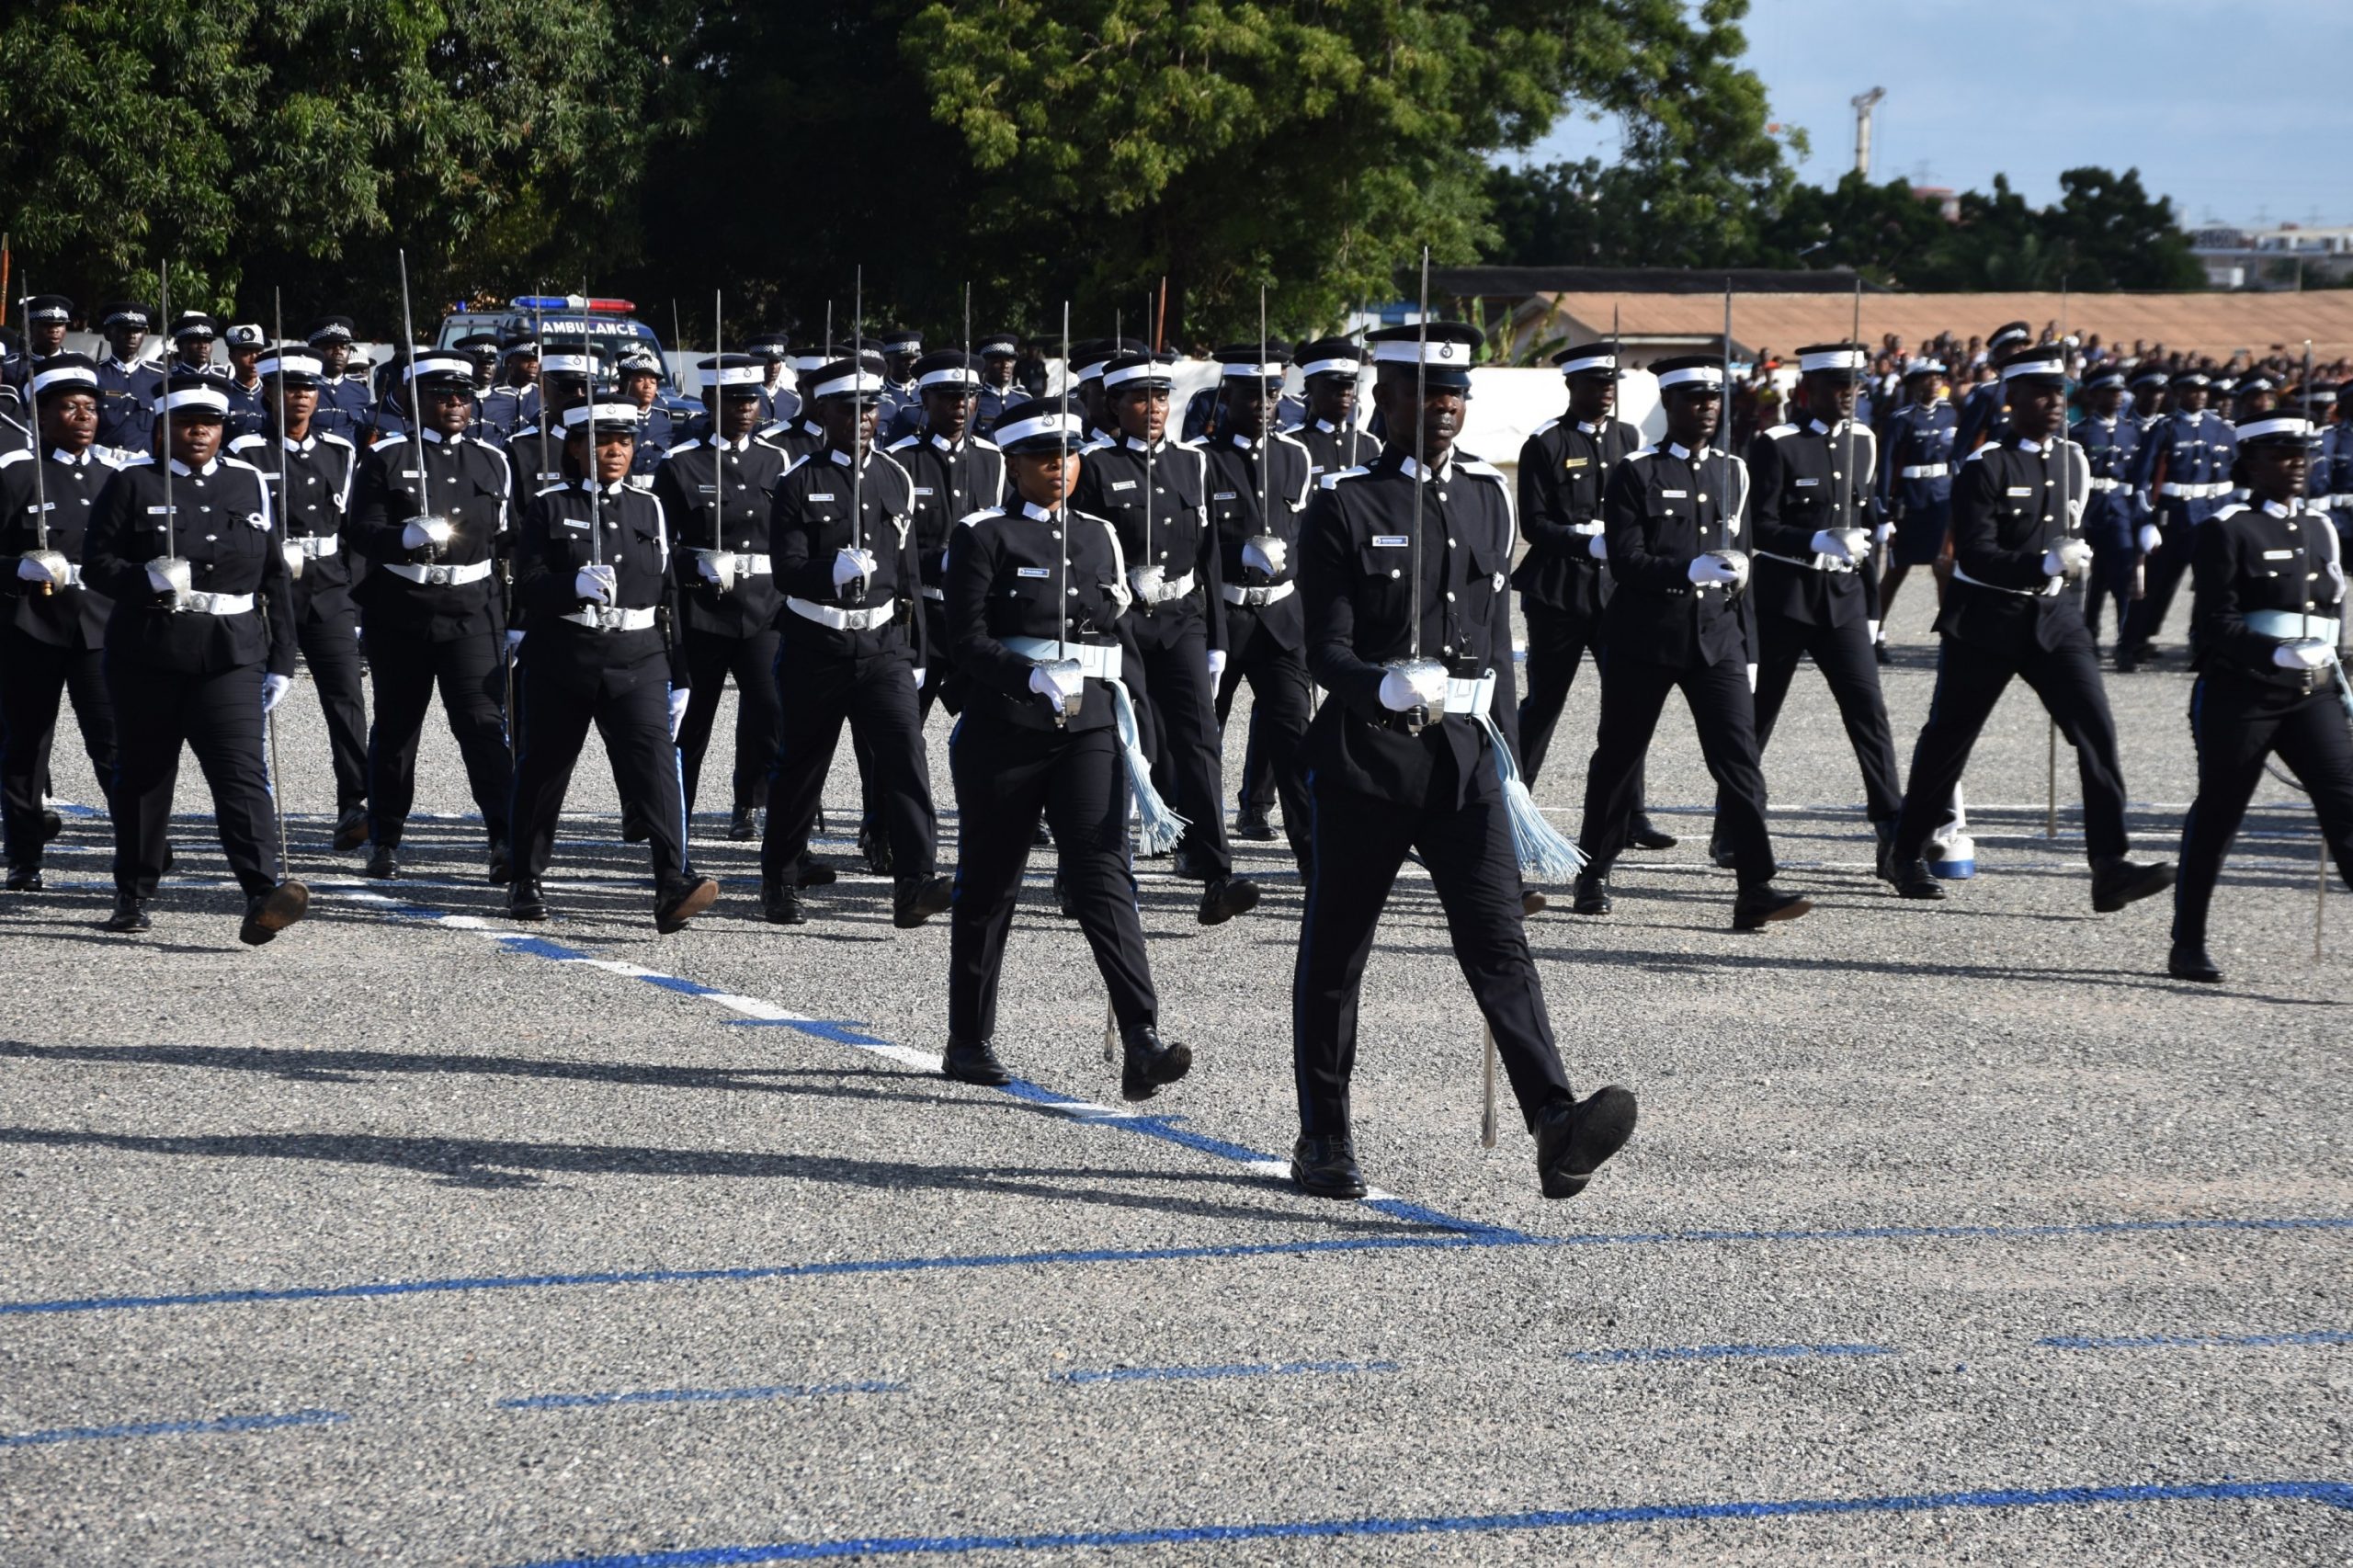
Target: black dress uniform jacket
1803,481
64,617
1563,471
553,544
1332,449
1112,484
1237,472
1004,578
223,530
1666,505
685,486
953,480
470,484
2005,516
2260,556
310,482
810,525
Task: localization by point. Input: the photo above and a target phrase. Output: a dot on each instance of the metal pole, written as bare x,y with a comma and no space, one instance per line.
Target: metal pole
408,396
2062,444
1487,1116
857,414
1061,522
1421,460
40,456
718,436
171,511
595,480
269,721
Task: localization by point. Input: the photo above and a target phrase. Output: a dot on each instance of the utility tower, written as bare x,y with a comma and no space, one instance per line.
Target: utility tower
1864,103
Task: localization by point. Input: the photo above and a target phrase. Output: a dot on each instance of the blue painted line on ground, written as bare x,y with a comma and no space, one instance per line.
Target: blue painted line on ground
1233,1369
2194,1341
696,1396
171,1429
2332,1494
1724,1353
842,1031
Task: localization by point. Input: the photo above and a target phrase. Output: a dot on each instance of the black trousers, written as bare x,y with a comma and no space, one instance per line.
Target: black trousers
711,658
406,669
1558,641
1279,715
1842,654
330,647
1633,694
35,679
2237,723
1005,778
1171,678
1970,680
875,694
2110,583
2161,577
635,724
1359,842
218,717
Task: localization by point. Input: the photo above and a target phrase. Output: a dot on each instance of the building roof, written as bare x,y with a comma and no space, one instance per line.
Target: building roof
1504,282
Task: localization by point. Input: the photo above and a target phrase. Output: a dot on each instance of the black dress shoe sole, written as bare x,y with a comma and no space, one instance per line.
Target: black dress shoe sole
1929,891
1240,897
2208,976
281,906
1533,904
798,914
1141,1084
125,924
814,875
743,830
1347,1190
382,871
27,882
1653,839
51,825
533,912
674,917
1757,921
928,901
350,836
1600,1128
983,1077
1258,832
2151,881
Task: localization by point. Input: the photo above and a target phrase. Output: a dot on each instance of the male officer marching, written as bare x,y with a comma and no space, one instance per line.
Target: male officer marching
1915,486
955,473
2183,475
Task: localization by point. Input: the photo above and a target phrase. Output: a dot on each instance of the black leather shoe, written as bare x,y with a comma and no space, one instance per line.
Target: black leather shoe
1592,895
1880,652
875,844
1759,906
2120,881
781,906
383,865
814,873
350,829
501,870
2188,961
51,825
920,898
1226,897
1572,1139
1643,835
1914,880
274,910
524,900
1251,823
742,823
24,879
683,902
973,1064
2128,659
1532,903
1150,1062
129,915
1326,1167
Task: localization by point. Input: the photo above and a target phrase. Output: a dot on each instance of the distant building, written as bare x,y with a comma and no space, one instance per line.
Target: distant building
2287,257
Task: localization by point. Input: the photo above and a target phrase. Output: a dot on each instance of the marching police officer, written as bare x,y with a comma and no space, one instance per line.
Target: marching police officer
1157,493
640,373
199,647
568,374
1402,565
430,514
247,415
842,527
52,626
2182,474
999,352
2267,592
2007,612
508,407
1812,518
1259,481
343,397
1979,420
1035,592
795,430
592,579
46,317
310,475
717,491
1676,520
2110,441
955,473
2332,469
901,405
1328,369
1915,485
128,384
2151,394
774,351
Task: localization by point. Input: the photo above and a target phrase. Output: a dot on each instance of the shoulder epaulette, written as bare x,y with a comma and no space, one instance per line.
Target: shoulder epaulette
9,460
553,489
984,444
794,466
339,440
1781,432
1548,425
245,443
1331,481
240,462
902,444
682,447
1483,467
983,516
1093,446
389,442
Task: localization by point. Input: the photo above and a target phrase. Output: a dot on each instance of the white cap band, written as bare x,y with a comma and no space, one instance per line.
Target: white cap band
291,365
194,397
1834,359
1578,367
1065,425
956,374
841,386
1439,351
1331,368
2275,425
568,364
1703,375
1153,371
1251,372
70,375
601,413
437,365
735,376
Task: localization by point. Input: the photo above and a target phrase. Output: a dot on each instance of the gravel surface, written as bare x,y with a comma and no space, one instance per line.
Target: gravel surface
405,1240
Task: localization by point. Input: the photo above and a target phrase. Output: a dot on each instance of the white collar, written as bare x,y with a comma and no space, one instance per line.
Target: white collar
304,445
1326,426
2280,508
436,435
843,458
2027,444
615,488
945,444
1036,514
719,442
206,472
1442,473
1245,442
1135,445
1588,426
1676,450
60,455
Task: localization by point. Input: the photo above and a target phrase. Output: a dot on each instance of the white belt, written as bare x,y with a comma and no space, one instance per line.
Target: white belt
1811,563
2049,588
2104,484
598,618
842,620
312,546
440,577
1095,660
1274,593
931,593
1587,529
1470,697
1174,588
1926,470
217,604
2192,491
750,565
2287,625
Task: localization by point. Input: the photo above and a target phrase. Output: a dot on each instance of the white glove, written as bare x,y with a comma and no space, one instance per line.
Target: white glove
418,532
1148,582
2304,654
274,689
1121,595
919,675
32,570
514,640
1402,691
1217,662
1598,546
1886,531
709,572
1056,684
2069,558
1709,569
597,585
678,696
1752,680
852,566
1266,554
2150,538
159,582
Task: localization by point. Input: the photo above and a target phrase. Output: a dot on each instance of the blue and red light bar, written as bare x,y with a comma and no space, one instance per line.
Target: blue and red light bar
574,302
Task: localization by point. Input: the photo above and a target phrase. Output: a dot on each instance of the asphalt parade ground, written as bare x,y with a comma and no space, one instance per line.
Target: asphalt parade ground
1951,1232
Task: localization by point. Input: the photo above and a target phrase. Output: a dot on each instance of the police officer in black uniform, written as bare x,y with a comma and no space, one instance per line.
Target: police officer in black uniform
46,317
1259,483
956,473
507,408
1157,493
1676,520
843,529
639,372
310,476
52,625
1812,517
902,406
430,514
248,413
717,492
1328,370
2007,612
795,430
1035,594
2268,622
2183,475
594,584
343,398
1980,418
774,351
128,384
1403,567
2112,442
198,649
998,352
535,448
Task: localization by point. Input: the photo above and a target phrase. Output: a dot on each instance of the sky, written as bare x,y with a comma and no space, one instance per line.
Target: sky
2238,112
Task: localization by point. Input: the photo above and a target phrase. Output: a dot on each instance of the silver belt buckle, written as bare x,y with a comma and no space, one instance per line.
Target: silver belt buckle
200,602
437,577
